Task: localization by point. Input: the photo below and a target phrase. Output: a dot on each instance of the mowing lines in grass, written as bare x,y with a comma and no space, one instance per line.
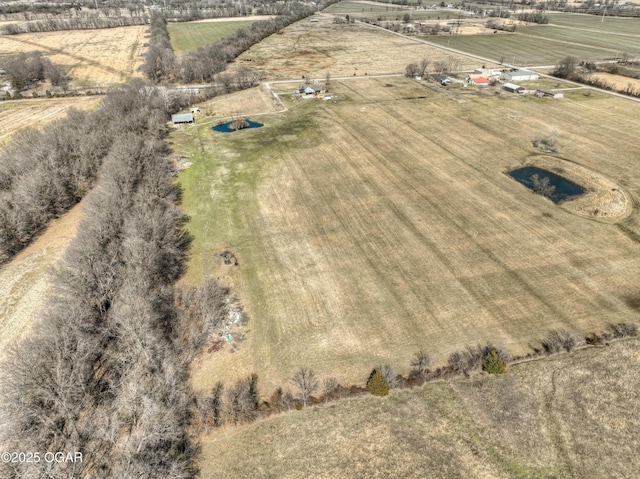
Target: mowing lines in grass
187,36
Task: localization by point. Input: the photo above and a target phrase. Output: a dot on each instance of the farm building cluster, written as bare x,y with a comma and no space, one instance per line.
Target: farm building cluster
312,90
508,80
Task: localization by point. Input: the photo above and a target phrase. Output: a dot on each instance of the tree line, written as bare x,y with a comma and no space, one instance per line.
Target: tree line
45,172
105,370
240,402
201,65
73,23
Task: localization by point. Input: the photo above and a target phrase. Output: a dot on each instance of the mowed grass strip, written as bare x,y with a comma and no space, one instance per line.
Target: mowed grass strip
569,416
384,223
187,36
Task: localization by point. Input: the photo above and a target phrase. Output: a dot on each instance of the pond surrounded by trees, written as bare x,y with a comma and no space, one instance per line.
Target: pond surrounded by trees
237,125
548,184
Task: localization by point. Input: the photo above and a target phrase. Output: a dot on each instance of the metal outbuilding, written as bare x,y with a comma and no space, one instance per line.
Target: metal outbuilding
513,88
180,119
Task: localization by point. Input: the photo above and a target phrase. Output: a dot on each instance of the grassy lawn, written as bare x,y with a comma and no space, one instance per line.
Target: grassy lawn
383,223
186,36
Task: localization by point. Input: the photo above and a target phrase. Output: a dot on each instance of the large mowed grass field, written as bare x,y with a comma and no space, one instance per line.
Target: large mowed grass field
187,36
383,222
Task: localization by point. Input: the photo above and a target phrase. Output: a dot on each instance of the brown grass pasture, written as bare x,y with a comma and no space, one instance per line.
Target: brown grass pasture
241,103
24,283
618,81
315,49
568,416
16,115
101,57
383,222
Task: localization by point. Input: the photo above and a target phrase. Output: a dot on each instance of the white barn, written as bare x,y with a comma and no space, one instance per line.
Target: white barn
520,75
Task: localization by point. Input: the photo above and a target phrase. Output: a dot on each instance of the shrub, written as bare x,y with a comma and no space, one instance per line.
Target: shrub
376,384
624,330
557,341
493,363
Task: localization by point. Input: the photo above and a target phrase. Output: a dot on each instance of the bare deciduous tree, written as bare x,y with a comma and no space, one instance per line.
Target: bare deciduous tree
306,383
420,364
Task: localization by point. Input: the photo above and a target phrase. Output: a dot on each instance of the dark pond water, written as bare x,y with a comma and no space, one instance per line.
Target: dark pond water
564,189
226,127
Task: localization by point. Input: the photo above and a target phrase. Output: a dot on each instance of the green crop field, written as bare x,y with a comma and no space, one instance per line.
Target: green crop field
186,36
595,23
609,42
525,50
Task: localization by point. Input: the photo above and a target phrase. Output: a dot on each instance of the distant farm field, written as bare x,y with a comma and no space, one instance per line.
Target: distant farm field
596,23
187,36
389,12
100,57
16,115
524,50
383,222
609,42
318,49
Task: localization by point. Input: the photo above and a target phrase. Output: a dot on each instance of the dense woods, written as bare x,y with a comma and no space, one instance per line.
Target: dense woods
105,369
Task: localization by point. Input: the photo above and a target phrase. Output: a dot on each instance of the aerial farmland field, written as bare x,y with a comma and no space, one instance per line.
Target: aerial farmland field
102,57
315,49
187,36
16,115
383,222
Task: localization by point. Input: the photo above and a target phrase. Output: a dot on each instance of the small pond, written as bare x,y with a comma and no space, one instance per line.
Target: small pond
559,188
226,127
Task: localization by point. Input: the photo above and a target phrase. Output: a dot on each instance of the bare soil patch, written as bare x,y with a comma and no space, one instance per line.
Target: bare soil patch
100,57
24,281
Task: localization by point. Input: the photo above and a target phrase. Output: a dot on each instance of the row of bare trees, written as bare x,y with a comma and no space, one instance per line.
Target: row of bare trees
203,64
105,370
241,403
45,172
73,23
